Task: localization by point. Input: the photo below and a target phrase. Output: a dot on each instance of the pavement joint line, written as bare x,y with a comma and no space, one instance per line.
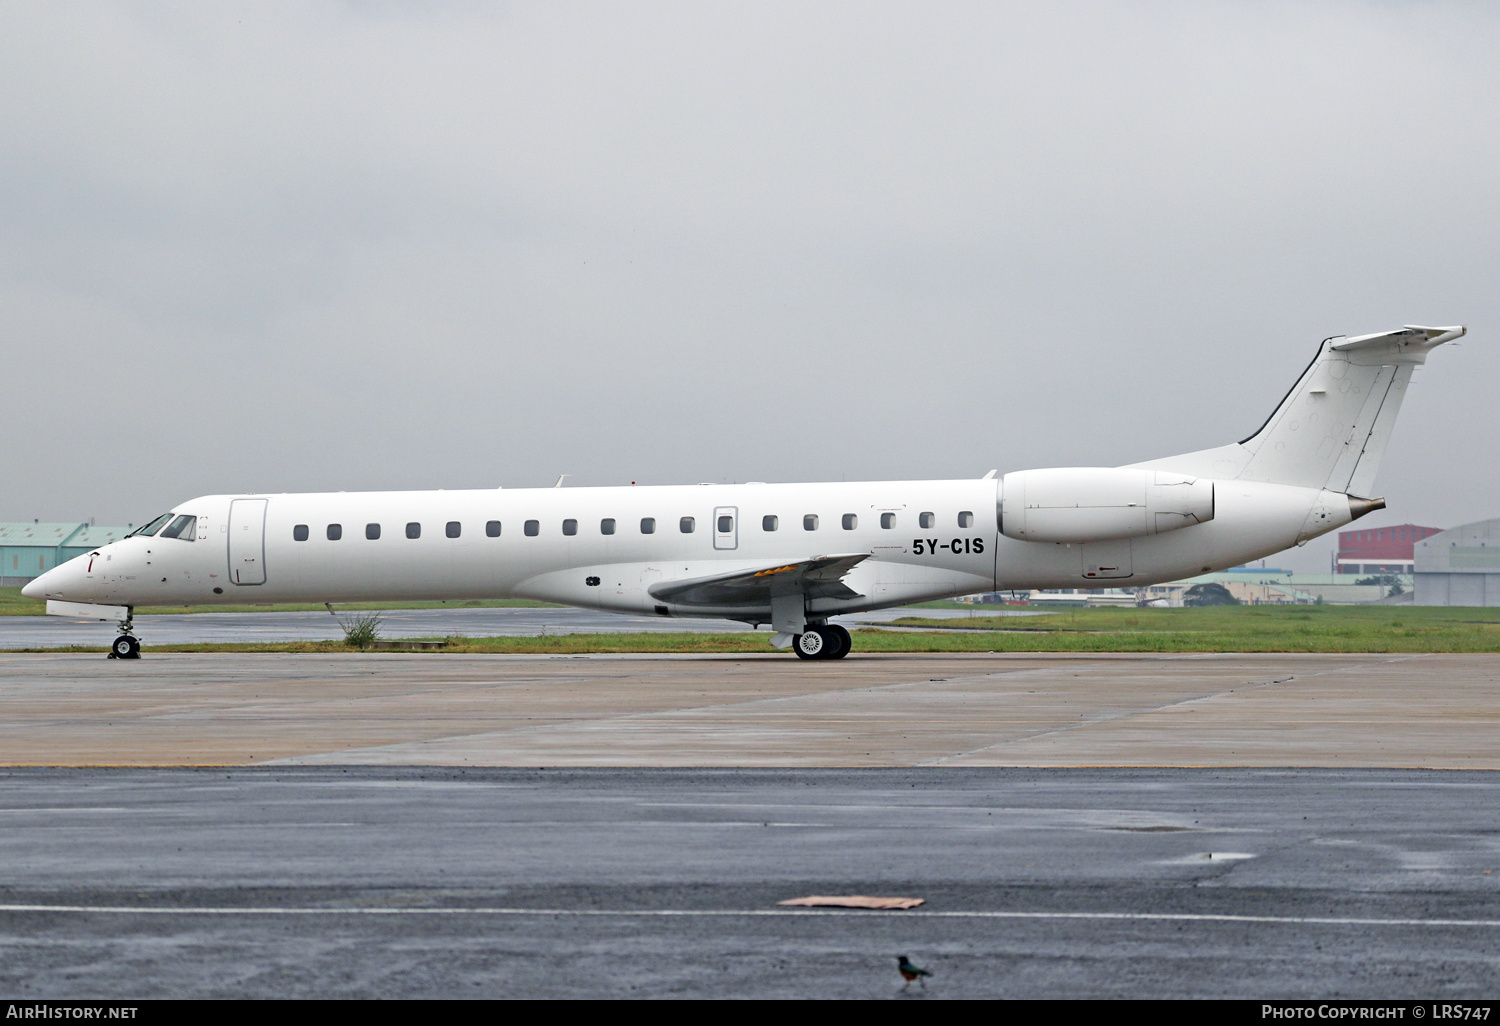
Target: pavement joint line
1171,917
1250,685
663,714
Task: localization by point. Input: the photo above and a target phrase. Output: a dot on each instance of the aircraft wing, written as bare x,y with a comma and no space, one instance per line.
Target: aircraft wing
817,577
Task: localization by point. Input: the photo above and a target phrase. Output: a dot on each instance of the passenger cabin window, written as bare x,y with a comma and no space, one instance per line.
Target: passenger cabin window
769,523
492,529
414,530
184,528
810,522
726,524
966,519
533,528
570,527
850,521
454,529
926,520
152,527
887,520
648,525
607,525
372,531
335,532
685,525
299,533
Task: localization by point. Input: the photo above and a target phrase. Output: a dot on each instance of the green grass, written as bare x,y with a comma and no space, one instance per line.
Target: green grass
12,603
566,644
741,643
1239,629
1213,629
1233,629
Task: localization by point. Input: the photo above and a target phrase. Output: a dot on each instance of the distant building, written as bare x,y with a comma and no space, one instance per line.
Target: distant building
1380,550
1254,585
28,550
1460,566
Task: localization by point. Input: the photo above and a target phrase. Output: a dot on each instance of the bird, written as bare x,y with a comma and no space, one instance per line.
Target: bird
911,972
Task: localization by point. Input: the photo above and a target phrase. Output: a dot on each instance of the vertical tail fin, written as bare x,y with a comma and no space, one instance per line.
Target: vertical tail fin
1332,428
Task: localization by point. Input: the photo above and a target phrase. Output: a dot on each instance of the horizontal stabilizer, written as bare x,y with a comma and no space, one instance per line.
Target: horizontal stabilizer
817,577
1409,335
1332,428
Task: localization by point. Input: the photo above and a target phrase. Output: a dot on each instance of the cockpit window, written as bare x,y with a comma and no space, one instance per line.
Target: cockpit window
184,528
152,527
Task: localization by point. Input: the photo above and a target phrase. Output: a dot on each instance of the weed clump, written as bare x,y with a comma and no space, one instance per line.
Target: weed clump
361,630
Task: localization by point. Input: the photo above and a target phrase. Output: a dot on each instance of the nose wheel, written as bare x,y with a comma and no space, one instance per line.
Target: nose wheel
126,646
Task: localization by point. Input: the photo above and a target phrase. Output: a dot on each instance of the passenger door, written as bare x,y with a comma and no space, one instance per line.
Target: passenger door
247,541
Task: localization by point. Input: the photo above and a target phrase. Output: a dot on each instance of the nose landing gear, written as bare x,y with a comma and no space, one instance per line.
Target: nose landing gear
126,646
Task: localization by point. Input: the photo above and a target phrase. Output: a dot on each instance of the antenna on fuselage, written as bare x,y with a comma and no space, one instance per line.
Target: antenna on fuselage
560,480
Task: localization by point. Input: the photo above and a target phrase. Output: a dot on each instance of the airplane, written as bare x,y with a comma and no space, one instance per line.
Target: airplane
791,556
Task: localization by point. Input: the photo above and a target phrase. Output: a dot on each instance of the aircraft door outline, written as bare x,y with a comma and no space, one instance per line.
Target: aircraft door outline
730,539
247,541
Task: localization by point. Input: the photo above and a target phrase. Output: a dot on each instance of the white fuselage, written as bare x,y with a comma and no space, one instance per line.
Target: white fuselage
246,548
787,554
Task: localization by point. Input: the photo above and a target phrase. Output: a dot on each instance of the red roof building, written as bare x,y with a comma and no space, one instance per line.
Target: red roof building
1380,550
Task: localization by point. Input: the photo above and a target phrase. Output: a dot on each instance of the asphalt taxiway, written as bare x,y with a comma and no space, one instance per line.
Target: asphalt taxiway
1262,826
323,882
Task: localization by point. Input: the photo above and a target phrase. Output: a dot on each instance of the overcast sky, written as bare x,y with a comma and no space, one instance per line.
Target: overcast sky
285,247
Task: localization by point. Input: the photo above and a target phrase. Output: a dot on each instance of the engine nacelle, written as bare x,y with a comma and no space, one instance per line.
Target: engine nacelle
1084,504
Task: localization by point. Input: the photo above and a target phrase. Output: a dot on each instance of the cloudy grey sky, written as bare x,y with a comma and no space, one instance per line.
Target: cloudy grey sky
292,246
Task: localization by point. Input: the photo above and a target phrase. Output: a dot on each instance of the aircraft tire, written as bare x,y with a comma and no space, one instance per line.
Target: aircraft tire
125,647
813,644
840,641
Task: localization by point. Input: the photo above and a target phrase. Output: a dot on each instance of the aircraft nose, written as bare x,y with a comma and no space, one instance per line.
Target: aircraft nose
60,582
36,588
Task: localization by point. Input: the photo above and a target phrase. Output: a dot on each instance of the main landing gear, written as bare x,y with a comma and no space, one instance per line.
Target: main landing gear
825,641
126,646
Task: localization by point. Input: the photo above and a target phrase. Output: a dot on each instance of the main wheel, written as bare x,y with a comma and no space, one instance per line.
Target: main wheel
839,641
125,647
811,645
